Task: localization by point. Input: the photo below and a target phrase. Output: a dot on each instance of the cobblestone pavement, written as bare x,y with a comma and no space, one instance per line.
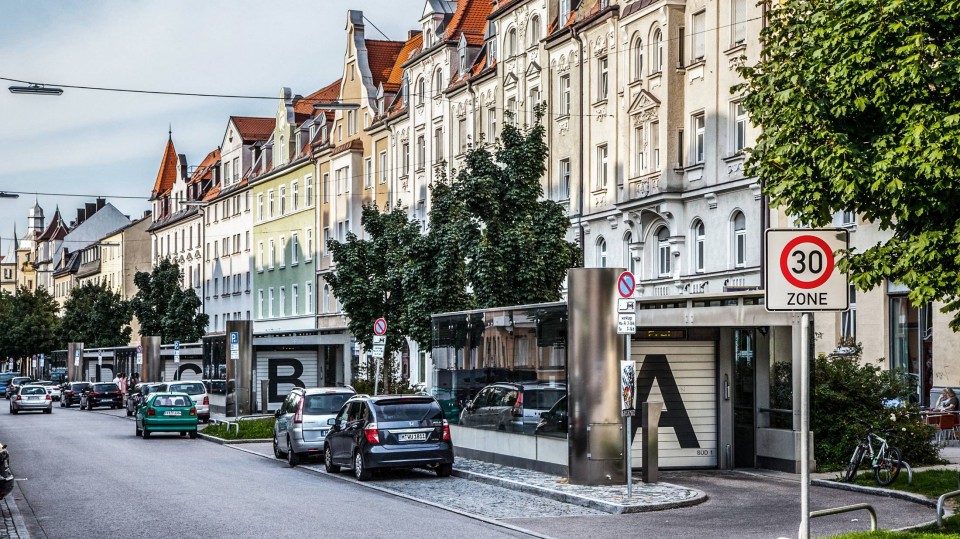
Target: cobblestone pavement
13,526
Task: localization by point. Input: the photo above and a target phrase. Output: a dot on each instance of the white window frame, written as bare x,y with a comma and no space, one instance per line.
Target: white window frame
383,167
270,302
271,204
308,253
603,165
259,255
368,173
565,98
272,251
663,252
738,26
294,196
563,181
308,180
655,145
308,305
260,207
699,246
603,78
294,249
698,36
600,255
294,299
282,307
739,240
699,127
656,58
740,120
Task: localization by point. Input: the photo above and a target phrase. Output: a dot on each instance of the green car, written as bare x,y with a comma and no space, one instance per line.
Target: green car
167,412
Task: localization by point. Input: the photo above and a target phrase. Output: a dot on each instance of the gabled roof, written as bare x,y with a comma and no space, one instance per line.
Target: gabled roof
469,19
167,174
392,84
330,92
383,56
204,170
56,230
252,128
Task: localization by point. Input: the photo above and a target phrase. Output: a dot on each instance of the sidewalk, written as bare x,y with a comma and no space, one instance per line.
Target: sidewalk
13,525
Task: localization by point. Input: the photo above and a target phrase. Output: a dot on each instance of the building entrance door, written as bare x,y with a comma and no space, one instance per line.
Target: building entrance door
744,389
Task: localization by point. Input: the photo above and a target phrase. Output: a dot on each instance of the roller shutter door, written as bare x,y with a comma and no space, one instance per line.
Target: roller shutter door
285,367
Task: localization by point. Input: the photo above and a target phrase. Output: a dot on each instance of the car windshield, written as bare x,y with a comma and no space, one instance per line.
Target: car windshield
33,391
325,404
106,387
400,410
193,388
171,401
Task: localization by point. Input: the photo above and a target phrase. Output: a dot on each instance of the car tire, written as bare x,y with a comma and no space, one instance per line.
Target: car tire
192,434
146,433
293,458
49,410
139,432
276,450
67,405
183,433
360,471
129,413
444,470
328,461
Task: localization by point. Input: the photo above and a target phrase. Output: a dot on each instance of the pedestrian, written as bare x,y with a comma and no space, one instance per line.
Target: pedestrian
947,402
123,386
116,379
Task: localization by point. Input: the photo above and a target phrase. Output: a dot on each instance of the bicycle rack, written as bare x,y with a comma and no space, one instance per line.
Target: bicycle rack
940,501
906,465
855,507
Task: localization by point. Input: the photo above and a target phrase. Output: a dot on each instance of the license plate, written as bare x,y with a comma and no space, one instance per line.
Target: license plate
173,412
33,398
414,437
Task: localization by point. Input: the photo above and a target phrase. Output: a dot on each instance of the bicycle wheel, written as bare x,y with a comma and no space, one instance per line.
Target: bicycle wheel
854,465
888,468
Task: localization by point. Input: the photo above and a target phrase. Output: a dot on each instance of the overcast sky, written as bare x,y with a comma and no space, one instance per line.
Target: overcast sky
106,143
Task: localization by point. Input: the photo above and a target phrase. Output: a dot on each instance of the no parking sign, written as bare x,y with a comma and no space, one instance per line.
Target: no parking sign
801,270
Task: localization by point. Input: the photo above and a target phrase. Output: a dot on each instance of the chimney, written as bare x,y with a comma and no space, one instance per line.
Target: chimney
412,34
91,209
81,216
101,202
147,213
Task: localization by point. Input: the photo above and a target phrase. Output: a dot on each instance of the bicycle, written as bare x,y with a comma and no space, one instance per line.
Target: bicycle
886,462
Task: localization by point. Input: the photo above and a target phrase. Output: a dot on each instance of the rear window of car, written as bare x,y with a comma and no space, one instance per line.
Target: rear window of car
542,399
327,404
33,391
77,387
106,387
172,401
21,380
400,410
193,388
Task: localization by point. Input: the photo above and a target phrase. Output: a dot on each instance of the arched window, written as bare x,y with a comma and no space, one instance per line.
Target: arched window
628,261
637,59
437,83
326,298
739,240
534,31
601,253
663,252
511,43
699,245
421,90
656,59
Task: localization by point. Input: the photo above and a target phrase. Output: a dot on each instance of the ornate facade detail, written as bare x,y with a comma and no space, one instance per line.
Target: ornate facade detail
711,199
564,126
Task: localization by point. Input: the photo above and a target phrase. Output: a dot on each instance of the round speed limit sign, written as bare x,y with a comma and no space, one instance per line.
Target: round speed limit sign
801,270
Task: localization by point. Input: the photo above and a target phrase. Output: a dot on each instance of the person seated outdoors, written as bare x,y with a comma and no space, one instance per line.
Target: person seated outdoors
947,401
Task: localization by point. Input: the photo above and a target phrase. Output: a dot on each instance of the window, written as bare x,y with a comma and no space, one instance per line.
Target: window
309,182
438,143
699,141
603,74
236,169
848,218
739,27
421,152
601,253
565,100
283,200
637,66
681,46
270,203
564,12
739,127
534,103
326,298
492,43
639,163
326,187
656,59
309,297
462,56
308,254
294,196
663,252
534,31
511,115
226,171
260,206
628,261
294,300
382,167
848,318
511,42
272,253
602,165
270,302
655,145
405,89
368,173
438,83
739,240
283,301
699,243
294,249
462,134
246,241
563,182
699,39
326,239
405,156
283,251
492,123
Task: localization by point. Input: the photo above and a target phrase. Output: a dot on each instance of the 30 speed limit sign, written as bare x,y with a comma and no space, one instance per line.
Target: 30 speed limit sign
801,272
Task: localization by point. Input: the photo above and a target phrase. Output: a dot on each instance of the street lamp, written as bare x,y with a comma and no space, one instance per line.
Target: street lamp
36,89
8,195
336,105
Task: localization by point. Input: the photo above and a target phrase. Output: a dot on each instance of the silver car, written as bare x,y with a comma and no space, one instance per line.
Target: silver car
301,425
197,392
32,397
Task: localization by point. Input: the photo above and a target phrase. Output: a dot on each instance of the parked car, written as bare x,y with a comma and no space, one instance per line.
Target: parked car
31,397
217,387
5,378
197,392
6,476
301,425
554,421
15,384
167,412
70,393
513,407
139,393
390,431
101,394
55,391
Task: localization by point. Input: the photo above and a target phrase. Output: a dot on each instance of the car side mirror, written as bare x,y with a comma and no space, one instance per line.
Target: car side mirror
332,421
277,414
469,406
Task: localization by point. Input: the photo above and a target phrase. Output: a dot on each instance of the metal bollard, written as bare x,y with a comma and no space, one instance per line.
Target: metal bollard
650,422
264,385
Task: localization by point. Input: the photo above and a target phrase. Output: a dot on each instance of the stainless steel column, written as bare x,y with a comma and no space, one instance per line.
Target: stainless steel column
240,370
74,372
152,362
650,459
595,438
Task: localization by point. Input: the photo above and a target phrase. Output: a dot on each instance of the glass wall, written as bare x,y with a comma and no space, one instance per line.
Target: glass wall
911,344
503,369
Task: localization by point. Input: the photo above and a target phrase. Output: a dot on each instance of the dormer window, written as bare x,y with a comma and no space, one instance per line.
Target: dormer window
405,89
564,12
462,53
492,42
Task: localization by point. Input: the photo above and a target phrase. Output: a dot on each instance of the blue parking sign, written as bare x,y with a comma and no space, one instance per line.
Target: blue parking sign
234,337
176,345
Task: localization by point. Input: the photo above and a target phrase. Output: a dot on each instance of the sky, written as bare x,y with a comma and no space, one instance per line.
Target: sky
107,143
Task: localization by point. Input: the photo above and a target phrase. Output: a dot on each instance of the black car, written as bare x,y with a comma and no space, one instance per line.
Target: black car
389,431
6,476
101,394
70,393
555,421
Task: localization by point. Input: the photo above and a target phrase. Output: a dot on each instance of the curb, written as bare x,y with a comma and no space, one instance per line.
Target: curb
23,532
907,496
224,441
607,507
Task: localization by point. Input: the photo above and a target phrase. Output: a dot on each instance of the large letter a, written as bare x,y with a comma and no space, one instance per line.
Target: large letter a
656,367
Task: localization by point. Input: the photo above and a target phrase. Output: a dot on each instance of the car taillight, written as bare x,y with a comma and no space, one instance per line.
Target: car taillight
518,405
372,434
18,397
298,417
446,431
193,411
206,400
48,396
94,393
151,411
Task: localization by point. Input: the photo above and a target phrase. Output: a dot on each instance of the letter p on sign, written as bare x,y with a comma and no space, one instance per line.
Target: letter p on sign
801,272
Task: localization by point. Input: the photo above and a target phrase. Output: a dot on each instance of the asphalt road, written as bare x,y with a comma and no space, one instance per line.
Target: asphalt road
85,474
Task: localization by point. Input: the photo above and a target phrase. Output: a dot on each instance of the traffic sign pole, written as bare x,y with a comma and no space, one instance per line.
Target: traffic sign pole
804,427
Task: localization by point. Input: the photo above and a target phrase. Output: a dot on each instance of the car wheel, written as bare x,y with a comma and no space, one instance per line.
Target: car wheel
138,431
359,470
444,470
146,433
67,405
293,458
276,450
192,434
49,410
328,461
183,433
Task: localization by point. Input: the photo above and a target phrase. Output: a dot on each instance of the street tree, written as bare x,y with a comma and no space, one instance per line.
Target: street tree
164,308
30,323
97,316
859,106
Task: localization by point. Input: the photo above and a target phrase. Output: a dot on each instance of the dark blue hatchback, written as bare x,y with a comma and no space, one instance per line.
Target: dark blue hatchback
389,431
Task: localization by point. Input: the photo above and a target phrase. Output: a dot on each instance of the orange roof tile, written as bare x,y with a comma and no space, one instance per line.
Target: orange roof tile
203,170
167,174
392,84
252,128
382,58
470,18
327,93
212,194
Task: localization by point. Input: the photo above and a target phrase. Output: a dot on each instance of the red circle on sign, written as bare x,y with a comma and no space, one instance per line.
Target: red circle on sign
380,326
626,284
828,266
